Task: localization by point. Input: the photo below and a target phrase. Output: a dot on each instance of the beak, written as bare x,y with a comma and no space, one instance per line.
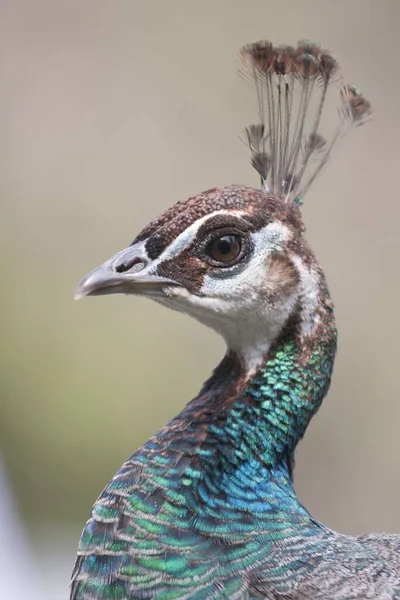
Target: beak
128,272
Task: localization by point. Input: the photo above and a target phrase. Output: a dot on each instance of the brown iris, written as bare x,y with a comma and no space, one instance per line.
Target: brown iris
224,249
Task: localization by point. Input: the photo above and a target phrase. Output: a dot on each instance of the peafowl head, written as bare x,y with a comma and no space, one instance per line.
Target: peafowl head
236,258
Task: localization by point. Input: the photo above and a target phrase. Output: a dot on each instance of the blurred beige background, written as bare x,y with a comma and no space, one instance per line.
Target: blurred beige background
111,111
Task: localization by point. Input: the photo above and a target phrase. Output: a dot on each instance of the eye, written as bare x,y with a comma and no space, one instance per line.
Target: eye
224,249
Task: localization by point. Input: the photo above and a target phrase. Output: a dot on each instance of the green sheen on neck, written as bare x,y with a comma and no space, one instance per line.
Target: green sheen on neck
269,417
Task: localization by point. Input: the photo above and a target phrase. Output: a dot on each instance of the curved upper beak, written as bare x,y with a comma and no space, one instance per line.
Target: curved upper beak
129,272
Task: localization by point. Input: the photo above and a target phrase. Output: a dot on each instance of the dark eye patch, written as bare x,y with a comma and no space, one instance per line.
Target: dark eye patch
211,241
155,245
226,221
158,242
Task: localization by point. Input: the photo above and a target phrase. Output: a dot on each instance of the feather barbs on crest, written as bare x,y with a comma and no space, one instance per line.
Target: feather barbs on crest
287,149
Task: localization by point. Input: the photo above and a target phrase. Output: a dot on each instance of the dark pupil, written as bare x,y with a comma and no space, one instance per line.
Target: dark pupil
225,245
225,248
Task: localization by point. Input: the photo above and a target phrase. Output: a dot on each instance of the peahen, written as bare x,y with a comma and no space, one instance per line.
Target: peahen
206,508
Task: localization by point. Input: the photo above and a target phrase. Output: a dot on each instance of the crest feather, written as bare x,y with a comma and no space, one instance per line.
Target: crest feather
287,148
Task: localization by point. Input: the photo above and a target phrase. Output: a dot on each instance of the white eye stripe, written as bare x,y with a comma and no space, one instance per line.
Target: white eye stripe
187,236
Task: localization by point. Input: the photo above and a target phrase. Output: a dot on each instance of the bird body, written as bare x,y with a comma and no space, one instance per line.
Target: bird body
206,508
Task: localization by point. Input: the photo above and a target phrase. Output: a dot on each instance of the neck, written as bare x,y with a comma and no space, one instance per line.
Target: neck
262,416
229,453
280,399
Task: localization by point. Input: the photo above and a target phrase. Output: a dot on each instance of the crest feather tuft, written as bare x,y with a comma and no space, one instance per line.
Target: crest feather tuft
287,149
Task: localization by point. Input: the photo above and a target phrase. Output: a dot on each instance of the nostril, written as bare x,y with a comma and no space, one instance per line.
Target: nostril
129,264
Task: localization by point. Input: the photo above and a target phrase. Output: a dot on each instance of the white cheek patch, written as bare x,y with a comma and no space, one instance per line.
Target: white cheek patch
273,236
309,290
